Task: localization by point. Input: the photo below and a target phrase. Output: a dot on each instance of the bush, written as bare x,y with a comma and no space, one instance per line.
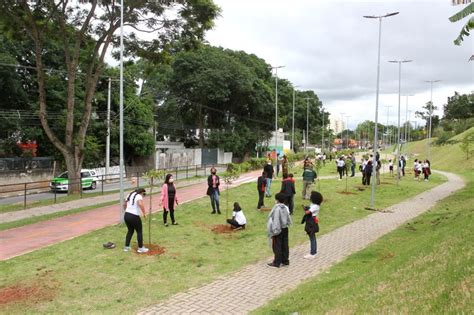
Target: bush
257,163
444,139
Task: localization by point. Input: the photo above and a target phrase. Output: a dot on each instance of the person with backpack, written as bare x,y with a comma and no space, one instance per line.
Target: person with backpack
133,207
311,221
309,175
279,220
169,198
288,189
261,187
213,192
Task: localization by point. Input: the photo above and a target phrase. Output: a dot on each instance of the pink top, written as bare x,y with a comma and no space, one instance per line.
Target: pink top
214,181
164,196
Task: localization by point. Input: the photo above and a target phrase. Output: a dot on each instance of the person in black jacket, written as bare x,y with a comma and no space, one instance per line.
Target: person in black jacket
213,183
368,172
269,170
288,189
261,184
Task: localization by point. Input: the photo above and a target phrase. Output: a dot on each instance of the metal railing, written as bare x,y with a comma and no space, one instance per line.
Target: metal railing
134,177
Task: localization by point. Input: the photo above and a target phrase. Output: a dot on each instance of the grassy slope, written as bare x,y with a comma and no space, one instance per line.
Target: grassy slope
86,278
425,266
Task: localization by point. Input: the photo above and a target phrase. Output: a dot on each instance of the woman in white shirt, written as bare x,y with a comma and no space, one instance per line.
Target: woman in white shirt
134,205
238,220
340,167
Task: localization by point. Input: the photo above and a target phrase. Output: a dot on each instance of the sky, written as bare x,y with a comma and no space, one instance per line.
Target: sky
328,47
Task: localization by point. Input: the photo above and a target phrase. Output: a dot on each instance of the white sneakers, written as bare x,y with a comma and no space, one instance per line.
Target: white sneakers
142,250
126,249
309,256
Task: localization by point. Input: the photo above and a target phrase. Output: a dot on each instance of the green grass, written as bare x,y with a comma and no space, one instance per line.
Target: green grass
84,278
423,267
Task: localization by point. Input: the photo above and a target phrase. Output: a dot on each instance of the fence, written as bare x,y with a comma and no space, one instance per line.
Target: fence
133,179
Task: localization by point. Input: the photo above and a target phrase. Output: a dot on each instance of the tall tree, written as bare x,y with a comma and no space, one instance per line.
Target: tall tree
465,30
425,115
86,31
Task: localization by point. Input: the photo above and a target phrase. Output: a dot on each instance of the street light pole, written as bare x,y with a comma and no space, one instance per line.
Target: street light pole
399,98
293,121
347,132
322,132
307,124
276,104
386,127
431,114
406,118
372,196
107,140
342,131
121,117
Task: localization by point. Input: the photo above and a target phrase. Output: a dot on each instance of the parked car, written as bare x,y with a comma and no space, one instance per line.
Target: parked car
89,180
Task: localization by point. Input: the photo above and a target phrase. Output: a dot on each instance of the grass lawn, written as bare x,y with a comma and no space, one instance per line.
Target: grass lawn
78,276
423,267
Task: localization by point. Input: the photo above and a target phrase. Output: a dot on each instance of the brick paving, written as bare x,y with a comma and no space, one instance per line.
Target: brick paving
256,284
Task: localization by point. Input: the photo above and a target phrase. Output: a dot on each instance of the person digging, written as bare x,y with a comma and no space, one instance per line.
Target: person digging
238,220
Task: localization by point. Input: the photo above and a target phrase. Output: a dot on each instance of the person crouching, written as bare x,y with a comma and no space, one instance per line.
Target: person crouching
238,220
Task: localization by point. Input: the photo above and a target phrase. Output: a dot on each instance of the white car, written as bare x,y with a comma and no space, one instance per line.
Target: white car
89,180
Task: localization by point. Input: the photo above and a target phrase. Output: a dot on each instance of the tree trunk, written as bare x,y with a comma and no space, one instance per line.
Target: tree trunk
74,173
201,128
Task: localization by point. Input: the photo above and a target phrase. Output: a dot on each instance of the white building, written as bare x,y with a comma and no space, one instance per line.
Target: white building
337,125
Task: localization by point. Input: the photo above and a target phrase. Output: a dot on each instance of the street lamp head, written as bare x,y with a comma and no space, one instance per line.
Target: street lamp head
432,81
391,14
380,16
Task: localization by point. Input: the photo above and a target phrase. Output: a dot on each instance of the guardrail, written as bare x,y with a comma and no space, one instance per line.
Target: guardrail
30,188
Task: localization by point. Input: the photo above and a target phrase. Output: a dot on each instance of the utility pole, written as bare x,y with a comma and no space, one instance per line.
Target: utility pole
431,114
307,124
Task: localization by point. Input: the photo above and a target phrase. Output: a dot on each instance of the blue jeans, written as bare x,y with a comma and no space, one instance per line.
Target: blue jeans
215,201
313,244
267,189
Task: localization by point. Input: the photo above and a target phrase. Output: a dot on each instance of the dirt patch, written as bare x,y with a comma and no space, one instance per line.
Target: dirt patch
346,193
154,250
386,255
266,209
386,183
222,229
26,294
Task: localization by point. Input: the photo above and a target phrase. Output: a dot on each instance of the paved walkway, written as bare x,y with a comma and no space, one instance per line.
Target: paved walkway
256,284
21,240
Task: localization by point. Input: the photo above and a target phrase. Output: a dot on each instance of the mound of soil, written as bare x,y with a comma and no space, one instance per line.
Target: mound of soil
154,250
26,294
222,229
265,209
346,193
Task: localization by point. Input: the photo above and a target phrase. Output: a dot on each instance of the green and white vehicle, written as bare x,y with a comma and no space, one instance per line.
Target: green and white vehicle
89,180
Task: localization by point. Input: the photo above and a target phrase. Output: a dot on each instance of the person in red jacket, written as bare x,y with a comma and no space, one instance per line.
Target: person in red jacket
169,198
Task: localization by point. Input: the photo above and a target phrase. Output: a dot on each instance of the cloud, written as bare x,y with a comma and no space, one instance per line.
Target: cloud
327,46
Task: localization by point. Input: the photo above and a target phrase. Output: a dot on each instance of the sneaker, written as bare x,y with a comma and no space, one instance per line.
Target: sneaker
309,256
126,248
237,228
213,212
166,224
273,265
285,264
175,223
142,250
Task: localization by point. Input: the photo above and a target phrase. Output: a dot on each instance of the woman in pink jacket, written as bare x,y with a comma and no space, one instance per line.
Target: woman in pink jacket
169,198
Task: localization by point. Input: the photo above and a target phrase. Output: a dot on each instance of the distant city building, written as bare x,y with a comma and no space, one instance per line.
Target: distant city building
337,125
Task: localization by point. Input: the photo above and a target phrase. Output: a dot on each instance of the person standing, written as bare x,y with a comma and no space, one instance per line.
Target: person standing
309,175
390,167
133,206
426,170
288,189
353,165
368,172
213,192
169,198
278,164
362,166
403,163
278,222
269,170
238,220
261,185
340,167
312,223
284,165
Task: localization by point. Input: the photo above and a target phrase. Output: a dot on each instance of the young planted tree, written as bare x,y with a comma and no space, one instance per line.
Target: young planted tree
318,167
87,30
228,177
152,176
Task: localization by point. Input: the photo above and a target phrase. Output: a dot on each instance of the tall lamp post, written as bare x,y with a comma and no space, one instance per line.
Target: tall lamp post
342,130
276,104
121,116
431,114
386,127
347,131
293,121
307,124
380,17
405,137
322,132
399,96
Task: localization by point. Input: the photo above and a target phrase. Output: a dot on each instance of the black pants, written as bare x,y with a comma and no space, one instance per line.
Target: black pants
340,171
134,223
367,178
290,203
363,178
234,223
171,211
280,248
261,195
215,201
353,168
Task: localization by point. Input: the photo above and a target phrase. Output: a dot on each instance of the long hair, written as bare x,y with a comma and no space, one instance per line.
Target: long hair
167,178
134,194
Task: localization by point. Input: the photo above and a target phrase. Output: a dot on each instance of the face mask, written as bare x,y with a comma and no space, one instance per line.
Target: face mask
171,180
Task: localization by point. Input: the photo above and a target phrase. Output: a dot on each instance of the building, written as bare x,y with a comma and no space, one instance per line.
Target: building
337,125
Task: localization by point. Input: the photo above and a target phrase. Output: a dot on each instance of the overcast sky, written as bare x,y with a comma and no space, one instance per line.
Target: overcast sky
327,46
